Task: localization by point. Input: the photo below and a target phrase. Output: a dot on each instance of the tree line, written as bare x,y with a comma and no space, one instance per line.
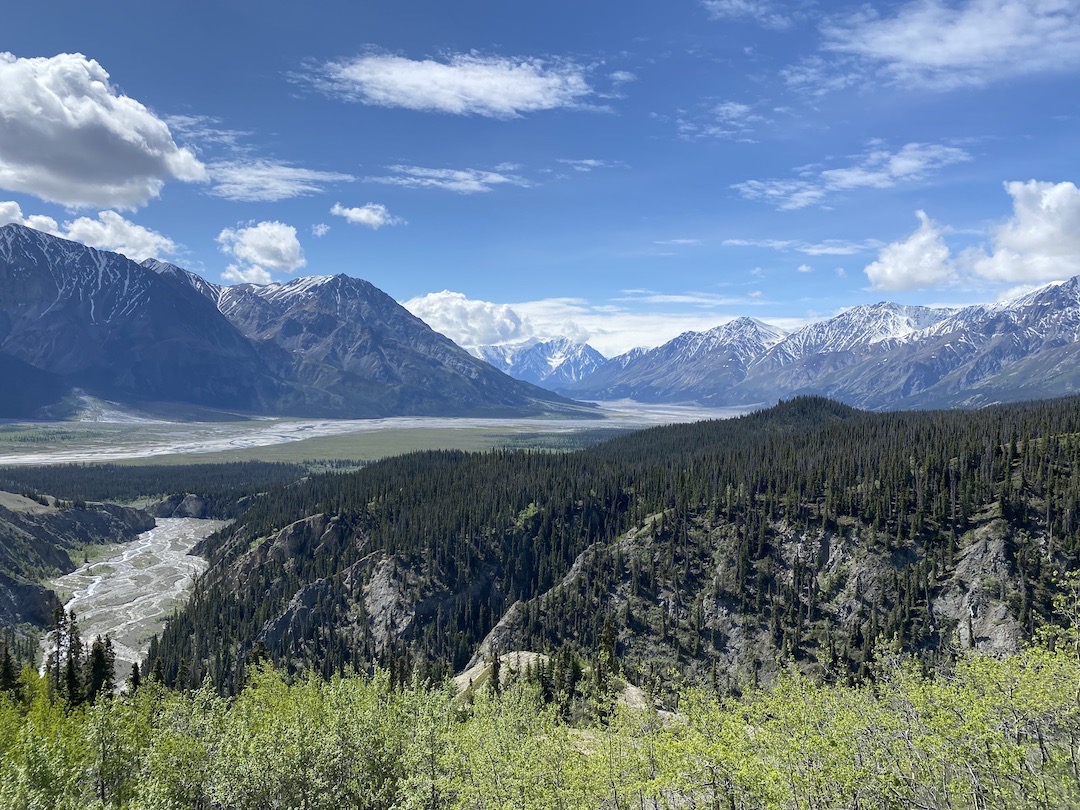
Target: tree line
227,487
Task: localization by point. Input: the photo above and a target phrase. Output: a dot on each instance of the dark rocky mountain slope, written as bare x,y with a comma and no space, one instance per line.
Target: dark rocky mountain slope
98,321
74,317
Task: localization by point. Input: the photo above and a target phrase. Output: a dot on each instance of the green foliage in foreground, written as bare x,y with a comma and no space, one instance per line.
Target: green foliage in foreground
995,733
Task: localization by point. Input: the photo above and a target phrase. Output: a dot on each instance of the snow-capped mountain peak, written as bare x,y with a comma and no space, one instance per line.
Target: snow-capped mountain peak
197,282
859,327
554,363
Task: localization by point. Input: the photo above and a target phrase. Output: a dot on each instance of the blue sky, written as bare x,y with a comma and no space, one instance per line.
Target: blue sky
618,172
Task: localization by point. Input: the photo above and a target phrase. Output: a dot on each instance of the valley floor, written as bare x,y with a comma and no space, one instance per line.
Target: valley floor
129,595
117,436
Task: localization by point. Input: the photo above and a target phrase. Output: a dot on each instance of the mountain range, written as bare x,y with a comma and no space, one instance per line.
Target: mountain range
551,364
875,356
73,318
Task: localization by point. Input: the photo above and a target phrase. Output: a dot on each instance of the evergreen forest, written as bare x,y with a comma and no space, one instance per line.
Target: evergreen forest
810,606
725,551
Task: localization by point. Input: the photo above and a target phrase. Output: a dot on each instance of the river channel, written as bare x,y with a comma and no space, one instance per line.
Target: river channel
129,596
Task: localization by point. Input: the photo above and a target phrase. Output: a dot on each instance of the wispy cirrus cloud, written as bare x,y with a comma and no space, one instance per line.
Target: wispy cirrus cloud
462,181
826,247
817,76
877,168
206,129
725,120
762,12
932,43
591,164
264,180
692,298
456,84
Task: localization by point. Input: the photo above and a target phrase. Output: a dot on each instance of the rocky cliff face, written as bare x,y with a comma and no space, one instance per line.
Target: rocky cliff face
970,604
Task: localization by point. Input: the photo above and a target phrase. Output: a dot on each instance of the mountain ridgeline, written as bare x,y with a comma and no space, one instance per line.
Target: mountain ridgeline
875,356
552,364
808,534
75,318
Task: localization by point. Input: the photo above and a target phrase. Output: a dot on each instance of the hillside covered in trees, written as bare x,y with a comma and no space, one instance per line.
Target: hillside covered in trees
811,535
822,608
993,733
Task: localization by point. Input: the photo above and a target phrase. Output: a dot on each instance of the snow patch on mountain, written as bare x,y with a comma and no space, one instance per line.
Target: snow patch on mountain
108,286
549,364
855,328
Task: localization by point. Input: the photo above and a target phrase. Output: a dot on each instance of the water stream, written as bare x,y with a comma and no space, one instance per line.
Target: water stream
130,595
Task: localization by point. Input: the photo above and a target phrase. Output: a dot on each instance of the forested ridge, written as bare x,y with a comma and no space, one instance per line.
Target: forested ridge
824,608
807,534
225,487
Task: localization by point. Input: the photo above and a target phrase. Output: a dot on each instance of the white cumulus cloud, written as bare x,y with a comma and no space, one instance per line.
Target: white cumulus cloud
260,250
11,212
1041,240
469,322
109,231
461,84
921,260
610,327
373,215
68,136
